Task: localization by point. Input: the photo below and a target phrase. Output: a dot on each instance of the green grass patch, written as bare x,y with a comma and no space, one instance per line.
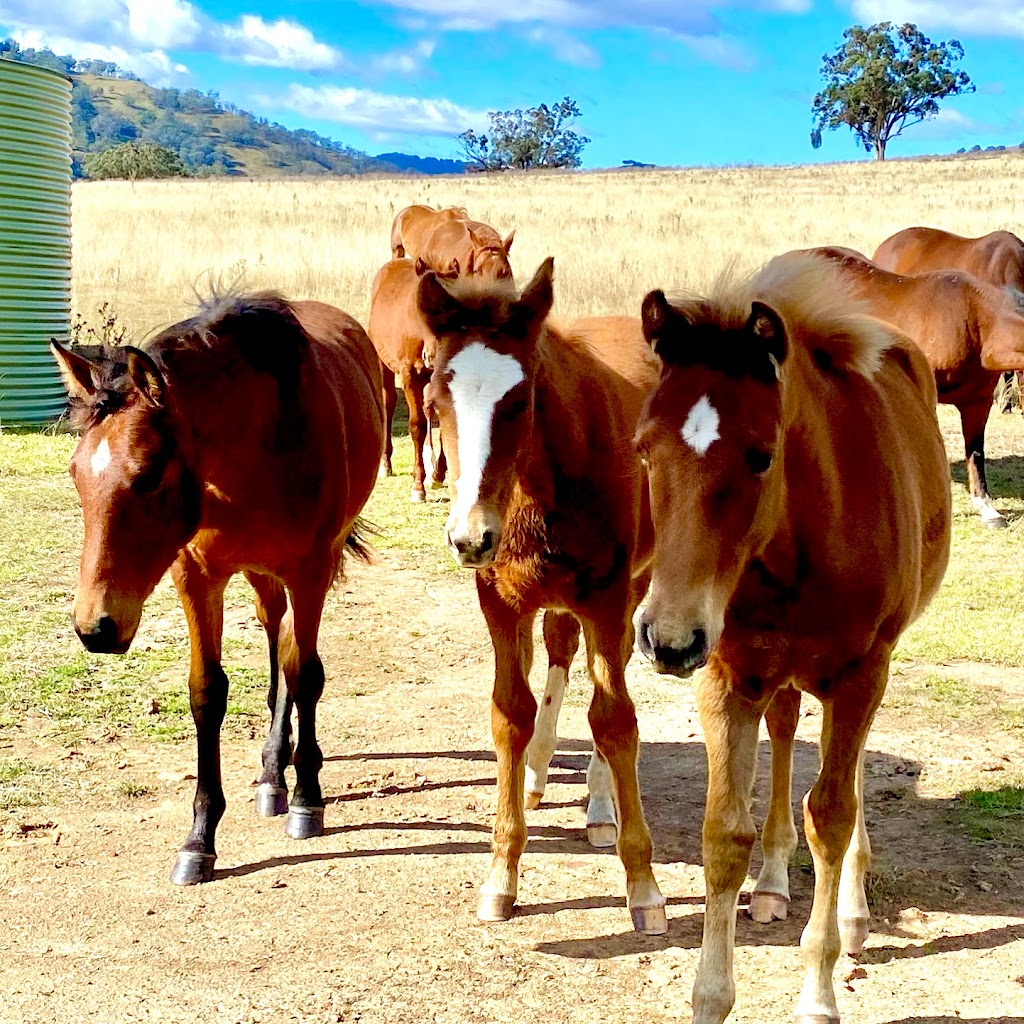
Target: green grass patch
993,815
24,785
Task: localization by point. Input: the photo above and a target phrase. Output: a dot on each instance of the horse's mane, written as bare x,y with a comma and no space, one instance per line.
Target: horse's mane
816,304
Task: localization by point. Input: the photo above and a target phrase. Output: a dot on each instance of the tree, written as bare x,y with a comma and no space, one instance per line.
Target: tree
134,160
539,137
884,79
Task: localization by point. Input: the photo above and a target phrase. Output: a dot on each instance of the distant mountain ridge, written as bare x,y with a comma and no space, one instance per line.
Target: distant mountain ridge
212,137
423,164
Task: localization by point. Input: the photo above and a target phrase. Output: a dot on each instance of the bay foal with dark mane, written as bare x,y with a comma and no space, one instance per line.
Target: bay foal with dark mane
550,511
800,497
246,439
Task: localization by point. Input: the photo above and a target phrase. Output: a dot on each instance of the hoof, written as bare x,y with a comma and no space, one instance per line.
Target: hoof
603,835
766,907
271,800
192,868
417,496
853,933
996,524
649,920
815,1018
436,485
384,472
495,906
305,822
533,800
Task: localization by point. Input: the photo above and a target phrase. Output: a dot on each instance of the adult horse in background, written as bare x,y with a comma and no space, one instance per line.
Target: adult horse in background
469,248
969,331
245,439
405,346
413,225
802,515
996,258
550,511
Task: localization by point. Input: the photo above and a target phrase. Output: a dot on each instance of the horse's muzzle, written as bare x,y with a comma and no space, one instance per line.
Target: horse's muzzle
669,659
103,636
473,553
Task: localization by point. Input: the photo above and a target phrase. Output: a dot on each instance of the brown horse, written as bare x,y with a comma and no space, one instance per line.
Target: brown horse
413,225
996,258
468,248
801,514
246,439
550,511
969,331
405,346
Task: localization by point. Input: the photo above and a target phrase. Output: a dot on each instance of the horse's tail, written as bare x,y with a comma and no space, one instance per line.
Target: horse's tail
357,542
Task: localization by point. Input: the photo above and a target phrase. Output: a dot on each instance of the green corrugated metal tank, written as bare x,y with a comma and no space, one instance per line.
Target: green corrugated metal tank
35,238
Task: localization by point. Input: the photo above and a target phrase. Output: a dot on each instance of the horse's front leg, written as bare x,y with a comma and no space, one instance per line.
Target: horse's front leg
272,791
202,597
512,713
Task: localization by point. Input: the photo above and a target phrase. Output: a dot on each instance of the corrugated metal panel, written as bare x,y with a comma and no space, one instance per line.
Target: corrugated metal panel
35,238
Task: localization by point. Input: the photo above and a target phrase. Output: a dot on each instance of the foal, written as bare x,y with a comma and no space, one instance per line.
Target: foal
550,511
800,497
246,439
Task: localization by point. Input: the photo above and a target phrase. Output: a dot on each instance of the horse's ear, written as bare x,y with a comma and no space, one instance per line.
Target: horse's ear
767,325
145,375
80,376
507,244
664,326
539,295
435,302
453,268
421,266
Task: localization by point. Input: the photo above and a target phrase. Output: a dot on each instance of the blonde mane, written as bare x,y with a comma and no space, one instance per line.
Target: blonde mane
816,304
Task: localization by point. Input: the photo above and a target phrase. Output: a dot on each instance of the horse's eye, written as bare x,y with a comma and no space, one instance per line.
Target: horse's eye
758,461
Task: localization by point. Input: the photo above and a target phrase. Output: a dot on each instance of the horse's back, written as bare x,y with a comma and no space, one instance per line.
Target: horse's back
996,258
619,343
396,329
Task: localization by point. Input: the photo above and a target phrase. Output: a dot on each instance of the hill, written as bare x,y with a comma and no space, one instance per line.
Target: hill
211,136
423,164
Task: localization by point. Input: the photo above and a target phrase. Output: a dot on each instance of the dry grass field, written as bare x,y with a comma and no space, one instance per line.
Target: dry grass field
374,921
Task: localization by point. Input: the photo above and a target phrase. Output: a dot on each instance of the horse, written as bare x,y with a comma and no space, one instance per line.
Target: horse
245,439
413,224
470,248
405,346
969,331
802,519
550,512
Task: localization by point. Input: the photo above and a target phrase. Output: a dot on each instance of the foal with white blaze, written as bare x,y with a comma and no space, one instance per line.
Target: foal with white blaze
551,512
801,508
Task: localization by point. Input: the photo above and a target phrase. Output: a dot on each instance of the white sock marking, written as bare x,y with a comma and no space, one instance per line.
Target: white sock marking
101,458
700,430
480,378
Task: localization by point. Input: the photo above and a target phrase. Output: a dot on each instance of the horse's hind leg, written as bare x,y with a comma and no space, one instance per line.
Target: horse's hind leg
272,791
441,466
973,419
390,404
562,640
304,674
202,598
770,899
613,724
413,384
853,903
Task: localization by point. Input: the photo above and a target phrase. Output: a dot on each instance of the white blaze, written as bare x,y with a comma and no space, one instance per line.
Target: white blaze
700,430
100,458
480,378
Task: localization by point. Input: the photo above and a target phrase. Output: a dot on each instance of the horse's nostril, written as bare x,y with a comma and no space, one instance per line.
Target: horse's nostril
487,541
700,641
102,638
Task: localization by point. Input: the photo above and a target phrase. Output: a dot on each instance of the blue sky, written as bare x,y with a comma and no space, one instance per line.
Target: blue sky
673,82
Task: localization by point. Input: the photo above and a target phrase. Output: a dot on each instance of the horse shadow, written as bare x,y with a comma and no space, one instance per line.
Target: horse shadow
1005,475
942,876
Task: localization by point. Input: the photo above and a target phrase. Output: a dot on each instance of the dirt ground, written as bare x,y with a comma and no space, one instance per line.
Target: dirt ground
375,921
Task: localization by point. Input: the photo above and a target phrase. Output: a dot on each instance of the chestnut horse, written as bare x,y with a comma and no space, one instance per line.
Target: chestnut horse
550,511
996,258
245,439
801,514
969,331
413,225
468,248
405,347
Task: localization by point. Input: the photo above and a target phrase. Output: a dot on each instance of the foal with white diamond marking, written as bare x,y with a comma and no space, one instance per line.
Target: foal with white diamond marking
550,509
801,512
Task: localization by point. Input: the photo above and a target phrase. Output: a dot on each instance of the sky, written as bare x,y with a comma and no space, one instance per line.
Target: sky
670,82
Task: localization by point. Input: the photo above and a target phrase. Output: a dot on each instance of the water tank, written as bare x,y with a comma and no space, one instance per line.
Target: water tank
35,238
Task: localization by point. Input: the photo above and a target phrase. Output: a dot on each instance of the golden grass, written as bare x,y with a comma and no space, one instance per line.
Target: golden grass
614,235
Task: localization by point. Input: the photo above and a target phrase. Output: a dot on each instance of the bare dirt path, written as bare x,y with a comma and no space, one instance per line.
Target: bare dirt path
375,922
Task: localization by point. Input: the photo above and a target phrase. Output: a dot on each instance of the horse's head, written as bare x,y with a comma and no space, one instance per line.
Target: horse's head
709,436
140,501
491,260
482,389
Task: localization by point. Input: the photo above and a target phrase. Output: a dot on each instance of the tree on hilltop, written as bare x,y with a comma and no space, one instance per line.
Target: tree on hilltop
522,139
882,80
133,160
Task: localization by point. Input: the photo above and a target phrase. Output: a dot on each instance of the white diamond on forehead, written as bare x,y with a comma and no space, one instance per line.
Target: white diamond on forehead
100,458
700,430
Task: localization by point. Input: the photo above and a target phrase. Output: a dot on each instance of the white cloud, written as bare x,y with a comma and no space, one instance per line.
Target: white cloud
155,66
409,61
970,17
276,44
162,24
379,112
565,47
951,124
723,50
